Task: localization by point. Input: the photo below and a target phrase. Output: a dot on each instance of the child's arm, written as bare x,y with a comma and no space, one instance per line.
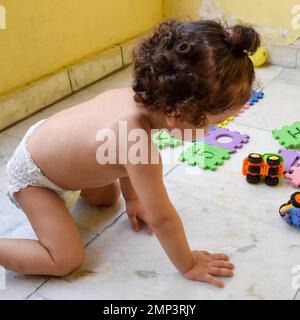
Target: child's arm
134,209
127,189
166,223
162,216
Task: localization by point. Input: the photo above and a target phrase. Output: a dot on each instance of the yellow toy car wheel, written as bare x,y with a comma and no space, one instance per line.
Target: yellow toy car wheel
273,160
255,158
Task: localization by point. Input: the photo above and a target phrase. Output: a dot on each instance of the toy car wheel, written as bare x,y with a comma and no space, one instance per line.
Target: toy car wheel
254,170
273,171
273,160
252,179
273,182
280,209
255,158
295,200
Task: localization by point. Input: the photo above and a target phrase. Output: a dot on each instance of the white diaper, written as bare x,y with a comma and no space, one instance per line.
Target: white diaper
21,172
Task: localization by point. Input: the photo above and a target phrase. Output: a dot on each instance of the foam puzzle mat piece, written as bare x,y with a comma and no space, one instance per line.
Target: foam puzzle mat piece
204,155
244,108
226,122
288,136
255,97
290,158
162,140
294,175
237,139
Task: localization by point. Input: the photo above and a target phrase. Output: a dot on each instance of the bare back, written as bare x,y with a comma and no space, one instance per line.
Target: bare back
65,146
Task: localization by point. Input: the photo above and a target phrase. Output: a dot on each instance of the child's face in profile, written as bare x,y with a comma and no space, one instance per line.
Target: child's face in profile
195,132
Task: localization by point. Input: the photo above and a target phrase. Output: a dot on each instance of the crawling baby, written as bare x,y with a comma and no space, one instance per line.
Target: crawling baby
186,76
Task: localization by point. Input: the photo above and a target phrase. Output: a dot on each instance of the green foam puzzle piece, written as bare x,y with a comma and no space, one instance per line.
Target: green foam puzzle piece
288,136
162,140
204,155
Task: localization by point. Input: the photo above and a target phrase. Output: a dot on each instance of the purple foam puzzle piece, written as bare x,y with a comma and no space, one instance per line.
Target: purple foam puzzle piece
290,158
237,139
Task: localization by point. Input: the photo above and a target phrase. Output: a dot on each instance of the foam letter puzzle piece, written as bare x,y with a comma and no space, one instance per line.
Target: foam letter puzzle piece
244,108
237,139
294,175
226,122
288,136
162,140
255,97
290,158
204,156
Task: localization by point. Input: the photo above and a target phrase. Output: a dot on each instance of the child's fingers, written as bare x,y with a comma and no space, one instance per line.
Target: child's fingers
150,230
144,222
220,272
222,264
213,280
134,223
219,256
204,252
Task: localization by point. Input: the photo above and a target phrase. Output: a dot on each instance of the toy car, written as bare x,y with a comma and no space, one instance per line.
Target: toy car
269,165
290,211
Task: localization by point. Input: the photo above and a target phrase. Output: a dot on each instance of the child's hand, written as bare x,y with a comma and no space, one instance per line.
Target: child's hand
137,216
207,266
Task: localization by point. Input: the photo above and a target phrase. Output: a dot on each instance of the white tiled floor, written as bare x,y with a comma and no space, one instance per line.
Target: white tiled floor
220,211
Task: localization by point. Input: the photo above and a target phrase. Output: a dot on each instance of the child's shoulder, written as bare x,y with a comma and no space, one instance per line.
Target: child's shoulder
130,113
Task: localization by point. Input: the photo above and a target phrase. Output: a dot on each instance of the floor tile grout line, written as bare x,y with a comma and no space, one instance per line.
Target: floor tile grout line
42,284
252,127
273,79
171,170
40,295
295,296
104,229
203,201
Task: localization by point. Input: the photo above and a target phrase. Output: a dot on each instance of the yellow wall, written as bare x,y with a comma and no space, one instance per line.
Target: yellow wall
273,16
180,8
43,36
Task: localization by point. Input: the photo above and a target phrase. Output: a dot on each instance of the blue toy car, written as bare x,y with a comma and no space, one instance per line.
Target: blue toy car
290,211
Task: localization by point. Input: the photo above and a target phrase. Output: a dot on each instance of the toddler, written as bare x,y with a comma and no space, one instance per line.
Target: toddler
186,75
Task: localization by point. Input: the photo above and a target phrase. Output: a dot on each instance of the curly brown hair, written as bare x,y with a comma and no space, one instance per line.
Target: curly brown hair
194,68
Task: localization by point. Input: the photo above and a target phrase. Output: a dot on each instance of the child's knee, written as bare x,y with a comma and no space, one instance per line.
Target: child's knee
66,264
102,196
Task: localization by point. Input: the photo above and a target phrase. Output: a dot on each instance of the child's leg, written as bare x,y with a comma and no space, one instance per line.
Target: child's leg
58,250
103,196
